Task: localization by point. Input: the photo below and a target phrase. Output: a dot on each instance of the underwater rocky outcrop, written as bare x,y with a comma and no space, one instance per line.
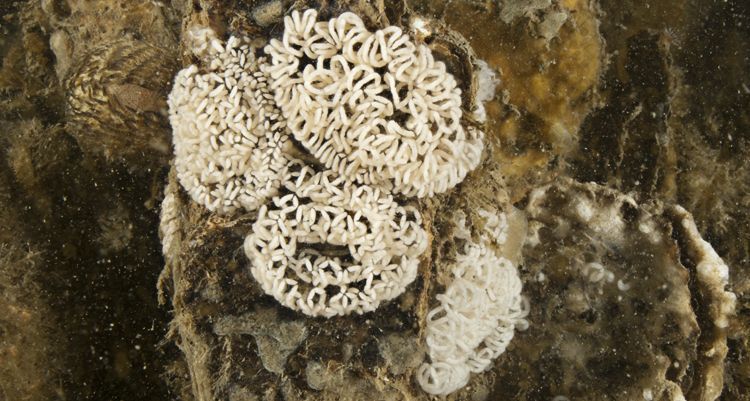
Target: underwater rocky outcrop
590,156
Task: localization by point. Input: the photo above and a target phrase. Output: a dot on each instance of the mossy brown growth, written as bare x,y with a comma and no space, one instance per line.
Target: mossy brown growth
31,349
31,354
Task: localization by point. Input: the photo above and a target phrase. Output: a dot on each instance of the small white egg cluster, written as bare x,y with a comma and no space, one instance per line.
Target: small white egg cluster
331,247
478,312
372,106
227,132
597,273
495,225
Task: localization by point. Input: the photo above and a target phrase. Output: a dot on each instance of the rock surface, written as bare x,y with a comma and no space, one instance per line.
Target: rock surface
617,140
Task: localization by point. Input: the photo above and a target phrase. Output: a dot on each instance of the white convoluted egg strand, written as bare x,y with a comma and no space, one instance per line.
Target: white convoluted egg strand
372,106
478,312
227,132
330,247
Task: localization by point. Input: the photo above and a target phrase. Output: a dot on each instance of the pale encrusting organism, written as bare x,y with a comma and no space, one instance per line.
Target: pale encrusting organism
330,139
227,132
478,312
373,106
487,82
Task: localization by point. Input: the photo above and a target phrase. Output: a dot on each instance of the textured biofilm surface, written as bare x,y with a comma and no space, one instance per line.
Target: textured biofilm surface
614,287
616,140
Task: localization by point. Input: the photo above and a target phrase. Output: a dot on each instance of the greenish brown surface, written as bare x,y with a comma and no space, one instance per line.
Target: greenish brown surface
604,100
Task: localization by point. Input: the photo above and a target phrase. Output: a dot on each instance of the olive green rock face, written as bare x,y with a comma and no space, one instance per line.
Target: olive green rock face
608,118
